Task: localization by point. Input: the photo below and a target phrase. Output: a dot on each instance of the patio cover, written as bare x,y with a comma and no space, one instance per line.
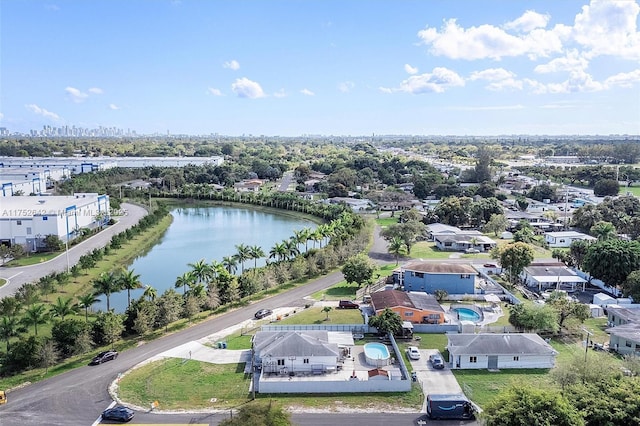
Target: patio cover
492,298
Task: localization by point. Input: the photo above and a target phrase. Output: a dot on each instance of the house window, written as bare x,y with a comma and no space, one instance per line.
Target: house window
627,344
516,358
418,274
281,362
561,241
45,218
448,244
465,276
473,359
408,314
305,361
28,230
18,222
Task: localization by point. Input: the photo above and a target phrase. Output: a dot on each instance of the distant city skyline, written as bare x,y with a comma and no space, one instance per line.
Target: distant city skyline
320,67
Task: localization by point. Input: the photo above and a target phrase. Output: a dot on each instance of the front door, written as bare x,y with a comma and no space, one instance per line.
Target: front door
493,362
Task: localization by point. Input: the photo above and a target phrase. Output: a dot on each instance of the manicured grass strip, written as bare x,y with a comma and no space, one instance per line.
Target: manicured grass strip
386,221
315,315
208,385
33,259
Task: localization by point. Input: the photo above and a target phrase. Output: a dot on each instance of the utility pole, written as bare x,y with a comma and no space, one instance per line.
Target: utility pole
586,346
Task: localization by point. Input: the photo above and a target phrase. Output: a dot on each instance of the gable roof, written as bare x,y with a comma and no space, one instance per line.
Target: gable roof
630,331
290,343
440,268
499,344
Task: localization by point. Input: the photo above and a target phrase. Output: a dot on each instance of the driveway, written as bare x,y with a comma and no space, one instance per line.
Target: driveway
432,380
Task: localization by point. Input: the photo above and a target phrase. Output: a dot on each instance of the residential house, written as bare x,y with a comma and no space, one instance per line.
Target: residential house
356,204
464,240
565,238
249,185
300,352
557,276
441,229
412,307
625,339
427,277
495,351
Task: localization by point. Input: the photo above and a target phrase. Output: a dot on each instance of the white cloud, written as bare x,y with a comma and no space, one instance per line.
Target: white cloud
245,88
385,89
572,61
578,81
529,21
280,94
96,91
346,86
52,7
498,78
608,28
436,82
43,112
232,64
410,70
487,108
76,95
213,91
114,107
307,92
625,79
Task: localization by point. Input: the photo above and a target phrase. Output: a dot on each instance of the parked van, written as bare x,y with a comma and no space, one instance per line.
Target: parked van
3,397
449,406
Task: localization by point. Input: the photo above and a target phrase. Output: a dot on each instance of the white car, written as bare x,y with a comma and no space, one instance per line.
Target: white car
413,353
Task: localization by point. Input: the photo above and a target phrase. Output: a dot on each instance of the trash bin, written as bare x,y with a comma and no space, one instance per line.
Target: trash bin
219,345
224,345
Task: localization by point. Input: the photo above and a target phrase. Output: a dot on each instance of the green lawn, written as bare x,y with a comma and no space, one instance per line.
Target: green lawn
33,259
428,250
339,291
386,221
315,315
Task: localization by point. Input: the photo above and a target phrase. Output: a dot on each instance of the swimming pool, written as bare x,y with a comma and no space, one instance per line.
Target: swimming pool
466,314
377,354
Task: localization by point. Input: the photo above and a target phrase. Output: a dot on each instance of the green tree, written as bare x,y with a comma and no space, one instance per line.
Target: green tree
65,334
454,211
533,317
112,327
397,247
612,260
326,310
358,269
386,322
129,280
63,307
185,280
53,243
406,231
169,308
243,254
605,187
631,286
441,294
497,224
567,308
35,315
150,293
106,283
256,252
48,355
201,271
525,406
9,328
514,257
603,230
86,302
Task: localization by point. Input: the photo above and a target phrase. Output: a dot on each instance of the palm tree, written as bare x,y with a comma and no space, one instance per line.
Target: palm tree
302,236
10,306
34,315
86,302
603,230
129,280
186,280
150,292
201,271
397,247
230,263
244,254
326,310
63,307
291,249
256,253
278,252
9,327
106,283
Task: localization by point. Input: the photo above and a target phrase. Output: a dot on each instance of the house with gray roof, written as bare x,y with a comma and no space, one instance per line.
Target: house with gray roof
427,277
625,339
542,276
495,351
293,352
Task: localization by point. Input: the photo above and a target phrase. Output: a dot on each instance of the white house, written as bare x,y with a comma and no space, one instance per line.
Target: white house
298,352
28,220
565,238
551,276
494,351
625,339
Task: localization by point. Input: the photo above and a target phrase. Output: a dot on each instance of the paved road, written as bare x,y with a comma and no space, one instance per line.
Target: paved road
27,274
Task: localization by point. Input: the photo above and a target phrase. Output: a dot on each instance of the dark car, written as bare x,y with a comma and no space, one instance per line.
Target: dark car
263,313
347,304
436,361
104,357
119,413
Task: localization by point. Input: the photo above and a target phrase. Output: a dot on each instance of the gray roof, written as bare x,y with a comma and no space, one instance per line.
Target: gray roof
424,301
294,343
630,331
499,344
631,315
439,267
463,238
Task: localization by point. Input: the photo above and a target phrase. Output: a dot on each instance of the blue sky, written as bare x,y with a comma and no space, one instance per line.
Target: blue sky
347,67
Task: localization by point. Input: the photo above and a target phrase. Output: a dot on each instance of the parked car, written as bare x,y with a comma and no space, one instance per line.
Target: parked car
472,250
413,353
347,304
104,357
119,413
263,313
455,406
436,361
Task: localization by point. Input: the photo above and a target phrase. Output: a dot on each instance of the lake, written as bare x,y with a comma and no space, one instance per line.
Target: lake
209,233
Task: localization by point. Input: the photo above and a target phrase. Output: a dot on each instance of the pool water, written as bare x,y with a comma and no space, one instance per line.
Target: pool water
465,314
377,354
